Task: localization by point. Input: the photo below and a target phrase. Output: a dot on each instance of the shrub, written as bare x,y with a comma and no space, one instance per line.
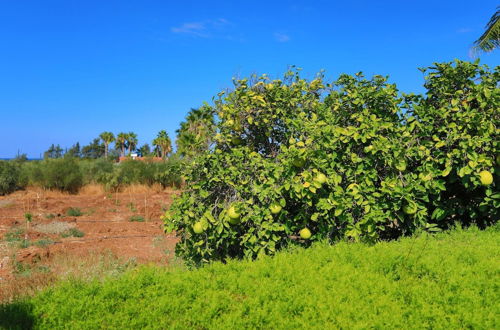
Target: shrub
72,232
74,212
96,171
69,174
62,174
351,159
10,173
169,173
455,129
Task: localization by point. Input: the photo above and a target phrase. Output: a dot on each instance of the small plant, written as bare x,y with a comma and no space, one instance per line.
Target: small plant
158,241
132,207
91,211
24,244
22,269
43,242
29,218
72,232
14,235
137,218
74,212
49,216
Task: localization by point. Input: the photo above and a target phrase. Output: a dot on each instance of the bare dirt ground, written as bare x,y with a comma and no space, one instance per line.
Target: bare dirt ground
114,229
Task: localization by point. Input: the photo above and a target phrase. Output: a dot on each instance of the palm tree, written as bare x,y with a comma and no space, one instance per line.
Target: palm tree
107,138
121,142
131,141
491,37
196,132
163,142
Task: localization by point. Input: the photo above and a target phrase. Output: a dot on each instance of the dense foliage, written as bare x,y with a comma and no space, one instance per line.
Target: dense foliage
70,174
353,158
196,133
446,281
9,177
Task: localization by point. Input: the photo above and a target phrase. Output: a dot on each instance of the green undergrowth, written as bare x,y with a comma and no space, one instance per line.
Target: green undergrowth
448,280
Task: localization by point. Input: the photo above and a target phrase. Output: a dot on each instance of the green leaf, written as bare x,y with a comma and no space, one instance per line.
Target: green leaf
438,214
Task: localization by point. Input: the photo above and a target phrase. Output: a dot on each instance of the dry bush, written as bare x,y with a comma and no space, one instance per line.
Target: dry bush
56,227
92,189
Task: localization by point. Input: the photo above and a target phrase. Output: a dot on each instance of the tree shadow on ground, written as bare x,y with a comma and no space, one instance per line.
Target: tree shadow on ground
16,315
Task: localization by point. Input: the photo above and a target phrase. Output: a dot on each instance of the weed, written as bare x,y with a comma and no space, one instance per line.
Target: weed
158,240
137,218
74,212
43,242
28,217
49,216
72,232
14,235
91,211
24,244
22,269
132,207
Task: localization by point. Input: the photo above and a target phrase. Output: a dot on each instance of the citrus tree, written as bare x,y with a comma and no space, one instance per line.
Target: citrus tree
296,161
456,148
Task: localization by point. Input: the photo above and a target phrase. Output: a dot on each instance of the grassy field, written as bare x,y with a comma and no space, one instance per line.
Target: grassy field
449,280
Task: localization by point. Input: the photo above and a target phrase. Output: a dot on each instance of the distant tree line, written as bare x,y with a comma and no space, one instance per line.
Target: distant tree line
194,136
124,144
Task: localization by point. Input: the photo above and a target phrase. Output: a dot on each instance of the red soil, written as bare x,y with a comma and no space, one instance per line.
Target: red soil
105,223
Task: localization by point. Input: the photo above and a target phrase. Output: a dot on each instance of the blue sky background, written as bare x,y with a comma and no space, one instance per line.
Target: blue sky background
72,69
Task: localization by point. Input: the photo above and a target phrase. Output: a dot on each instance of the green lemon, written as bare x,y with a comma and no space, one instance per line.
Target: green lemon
275,208
198,228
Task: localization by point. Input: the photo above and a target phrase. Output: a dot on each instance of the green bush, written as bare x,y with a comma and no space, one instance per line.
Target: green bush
447,281
70,174
10,177
353,159
169,173
455,138
72,232
74,212
63,174
96,171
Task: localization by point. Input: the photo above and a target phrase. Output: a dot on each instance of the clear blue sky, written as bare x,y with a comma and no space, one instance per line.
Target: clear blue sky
72,69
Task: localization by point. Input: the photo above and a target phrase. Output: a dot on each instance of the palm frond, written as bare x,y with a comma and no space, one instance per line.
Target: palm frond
491,37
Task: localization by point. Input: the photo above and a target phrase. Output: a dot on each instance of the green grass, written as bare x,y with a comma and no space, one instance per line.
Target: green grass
446,281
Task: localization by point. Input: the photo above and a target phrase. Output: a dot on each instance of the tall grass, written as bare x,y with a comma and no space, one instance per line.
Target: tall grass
449,280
